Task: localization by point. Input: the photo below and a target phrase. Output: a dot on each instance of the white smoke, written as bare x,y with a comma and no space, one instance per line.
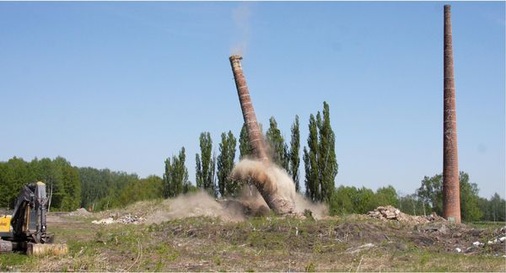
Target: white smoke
241,17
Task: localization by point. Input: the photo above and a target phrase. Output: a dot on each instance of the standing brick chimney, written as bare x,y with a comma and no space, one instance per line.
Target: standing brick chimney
451,187
255,136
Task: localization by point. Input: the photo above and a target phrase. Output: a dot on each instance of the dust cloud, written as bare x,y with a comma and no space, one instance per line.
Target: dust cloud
255,175
278,188
193,205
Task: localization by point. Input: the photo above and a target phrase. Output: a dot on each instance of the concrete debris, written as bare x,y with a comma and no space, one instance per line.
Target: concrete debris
477,243
80,212
499,236
125,219
458,250
392,213
496,242
105,221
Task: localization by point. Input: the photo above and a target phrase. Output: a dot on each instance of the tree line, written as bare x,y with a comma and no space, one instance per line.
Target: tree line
72,187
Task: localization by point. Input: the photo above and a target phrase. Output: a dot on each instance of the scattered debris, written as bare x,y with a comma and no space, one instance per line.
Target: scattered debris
125,219
105,221
477,243
392,213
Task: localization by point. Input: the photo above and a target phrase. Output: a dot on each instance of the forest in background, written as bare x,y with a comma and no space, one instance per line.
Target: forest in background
71,187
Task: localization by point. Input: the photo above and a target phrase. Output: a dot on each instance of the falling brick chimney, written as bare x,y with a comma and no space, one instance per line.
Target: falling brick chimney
259,174
255,136
451,187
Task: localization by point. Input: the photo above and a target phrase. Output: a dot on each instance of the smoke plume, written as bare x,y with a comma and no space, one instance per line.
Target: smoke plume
241,17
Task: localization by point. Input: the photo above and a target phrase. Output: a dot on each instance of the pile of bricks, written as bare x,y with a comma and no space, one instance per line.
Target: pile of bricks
392,213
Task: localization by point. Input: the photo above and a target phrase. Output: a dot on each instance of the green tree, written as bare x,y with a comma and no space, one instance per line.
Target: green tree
245,148
143,189
69,186
279,149
347,200
61,179
327,155
469,199
320,159
225,164
497,208
94,186
343,200
176,175
116,182
364,201
205,169
410,204
387,196
431,194
294,157
310,158
15,173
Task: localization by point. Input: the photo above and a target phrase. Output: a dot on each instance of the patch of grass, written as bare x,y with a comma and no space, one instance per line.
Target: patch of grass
13,261
260,244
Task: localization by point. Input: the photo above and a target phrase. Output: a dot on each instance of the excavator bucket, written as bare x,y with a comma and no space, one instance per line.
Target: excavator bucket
46,249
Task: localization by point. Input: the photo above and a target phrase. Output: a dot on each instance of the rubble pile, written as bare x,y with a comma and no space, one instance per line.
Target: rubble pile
80,212
130,219
392,213
125,219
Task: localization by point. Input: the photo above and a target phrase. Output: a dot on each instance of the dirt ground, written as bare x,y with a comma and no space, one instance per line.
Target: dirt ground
150,236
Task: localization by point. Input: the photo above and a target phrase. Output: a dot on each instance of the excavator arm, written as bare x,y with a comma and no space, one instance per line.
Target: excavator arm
29,216
28,224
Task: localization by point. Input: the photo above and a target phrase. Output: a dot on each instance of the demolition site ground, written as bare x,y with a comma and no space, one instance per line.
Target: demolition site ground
151,236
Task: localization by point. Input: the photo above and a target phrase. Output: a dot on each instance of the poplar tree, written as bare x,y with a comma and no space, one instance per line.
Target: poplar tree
327,161
279,150
245,148
175,177
205,165
320,158
294,158
311,161
225,164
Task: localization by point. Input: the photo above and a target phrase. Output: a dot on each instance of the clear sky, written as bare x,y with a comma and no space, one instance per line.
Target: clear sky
124,85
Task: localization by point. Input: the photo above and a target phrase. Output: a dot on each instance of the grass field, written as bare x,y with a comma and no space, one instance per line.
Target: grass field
269,243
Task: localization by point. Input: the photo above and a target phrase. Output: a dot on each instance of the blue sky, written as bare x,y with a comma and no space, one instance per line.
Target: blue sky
124,85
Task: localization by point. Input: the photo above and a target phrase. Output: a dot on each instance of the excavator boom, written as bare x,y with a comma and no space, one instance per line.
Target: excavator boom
27,230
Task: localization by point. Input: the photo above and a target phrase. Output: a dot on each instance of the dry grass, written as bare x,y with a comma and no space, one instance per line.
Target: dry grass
352,243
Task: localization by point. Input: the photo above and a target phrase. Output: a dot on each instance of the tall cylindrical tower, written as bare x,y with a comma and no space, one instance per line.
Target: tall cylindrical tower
255,136
451,186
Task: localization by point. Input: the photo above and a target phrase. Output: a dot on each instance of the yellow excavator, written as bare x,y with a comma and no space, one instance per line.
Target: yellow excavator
25,230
